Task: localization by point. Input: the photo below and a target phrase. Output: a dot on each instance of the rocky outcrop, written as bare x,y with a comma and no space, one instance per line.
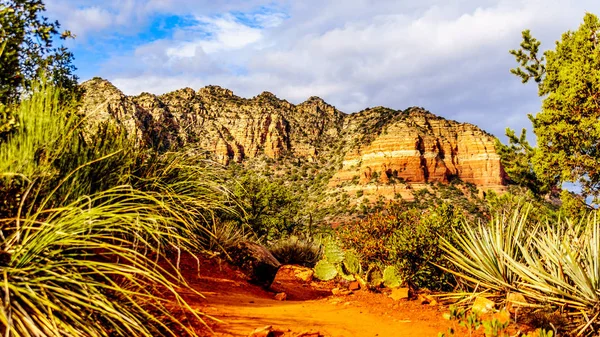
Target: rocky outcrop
416,146
215,120
378,146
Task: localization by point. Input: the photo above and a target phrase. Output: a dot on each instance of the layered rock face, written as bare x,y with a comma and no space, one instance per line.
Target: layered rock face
213,119
416,146
375,145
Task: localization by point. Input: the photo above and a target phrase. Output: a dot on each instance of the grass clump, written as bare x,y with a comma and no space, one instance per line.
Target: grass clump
302,251
90,225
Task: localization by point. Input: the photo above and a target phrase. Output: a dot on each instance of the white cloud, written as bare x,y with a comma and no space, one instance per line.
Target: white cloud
224,33
449,57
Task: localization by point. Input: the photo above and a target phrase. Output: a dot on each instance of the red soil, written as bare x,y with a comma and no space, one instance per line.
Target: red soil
243,307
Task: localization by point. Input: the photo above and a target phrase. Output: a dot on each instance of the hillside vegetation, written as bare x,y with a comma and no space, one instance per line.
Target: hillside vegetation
101,194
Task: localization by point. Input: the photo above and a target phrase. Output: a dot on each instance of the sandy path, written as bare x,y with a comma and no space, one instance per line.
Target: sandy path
245,307
329,317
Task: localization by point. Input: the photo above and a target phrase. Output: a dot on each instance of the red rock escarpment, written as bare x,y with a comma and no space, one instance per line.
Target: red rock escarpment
417,146
378,145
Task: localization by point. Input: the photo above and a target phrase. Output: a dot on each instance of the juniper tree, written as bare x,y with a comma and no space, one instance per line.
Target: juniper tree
568,126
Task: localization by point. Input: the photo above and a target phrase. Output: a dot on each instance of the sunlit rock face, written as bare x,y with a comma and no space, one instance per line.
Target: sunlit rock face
416,146
375,145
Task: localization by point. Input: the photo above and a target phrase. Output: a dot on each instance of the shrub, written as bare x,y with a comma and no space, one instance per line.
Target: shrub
80,245
407,238
297,250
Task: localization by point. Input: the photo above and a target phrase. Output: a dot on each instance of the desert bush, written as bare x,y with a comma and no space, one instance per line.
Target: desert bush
407,238
304,251
227,234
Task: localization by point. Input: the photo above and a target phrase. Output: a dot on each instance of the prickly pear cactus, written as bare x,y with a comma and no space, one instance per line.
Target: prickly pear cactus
351,264
325,270
333,252
390,277
344,274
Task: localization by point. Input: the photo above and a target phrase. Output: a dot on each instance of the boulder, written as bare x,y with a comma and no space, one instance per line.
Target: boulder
257,261
281,296
296,282
354,286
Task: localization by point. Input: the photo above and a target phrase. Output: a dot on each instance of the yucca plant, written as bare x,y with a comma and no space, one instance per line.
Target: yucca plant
483,254
83,242
563,270
83,270
304,251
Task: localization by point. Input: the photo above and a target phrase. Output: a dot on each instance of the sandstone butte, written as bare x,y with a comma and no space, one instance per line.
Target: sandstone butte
371,149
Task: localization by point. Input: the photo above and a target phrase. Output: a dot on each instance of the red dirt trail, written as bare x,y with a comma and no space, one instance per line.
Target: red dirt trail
244,307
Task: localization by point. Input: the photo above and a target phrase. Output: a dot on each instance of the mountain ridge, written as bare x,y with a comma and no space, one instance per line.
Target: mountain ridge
375,146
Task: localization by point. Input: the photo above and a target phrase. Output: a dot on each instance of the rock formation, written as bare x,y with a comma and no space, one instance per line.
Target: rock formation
416,146
377,145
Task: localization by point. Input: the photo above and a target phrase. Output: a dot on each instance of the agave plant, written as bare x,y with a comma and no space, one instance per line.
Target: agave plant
484,253
564,270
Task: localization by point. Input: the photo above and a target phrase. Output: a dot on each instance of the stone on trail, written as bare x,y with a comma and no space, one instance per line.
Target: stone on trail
281,296
296,282
399,294
483,305
354,286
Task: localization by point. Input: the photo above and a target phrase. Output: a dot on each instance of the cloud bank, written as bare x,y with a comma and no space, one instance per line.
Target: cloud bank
448,57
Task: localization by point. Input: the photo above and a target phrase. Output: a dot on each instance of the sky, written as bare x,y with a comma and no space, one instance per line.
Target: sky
449,57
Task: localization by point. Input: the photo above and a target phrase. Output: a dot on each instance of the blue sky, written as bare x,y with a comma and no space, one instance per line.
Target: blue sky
450,57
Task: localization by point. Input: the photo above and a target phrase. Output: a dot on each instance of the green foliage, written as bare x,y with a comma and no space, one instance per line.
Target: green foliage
568,127
48,147
225,235
516,158
333,252
527,56
345,263
391,278
351,263
374,276
553,263
406,238
270,208
325,270
573,207
27,51
563,269
495,328
55,285
302,251
515,198
483,254
82,235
